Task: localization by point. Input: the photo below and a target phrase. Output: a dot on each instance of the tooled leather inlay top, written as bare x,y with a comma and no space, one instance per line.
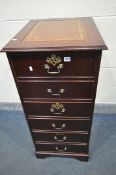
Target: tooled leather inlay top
57,31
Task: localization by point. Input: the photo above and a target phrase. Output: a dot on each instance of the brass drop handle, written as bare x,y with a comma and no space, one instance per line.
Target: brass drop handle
61,127
57,113
54,61
50,91
60,140
57,149
59,67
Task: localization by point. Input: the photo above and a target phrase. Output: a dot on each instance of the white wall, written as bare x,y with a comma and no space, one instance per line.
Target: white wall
14,15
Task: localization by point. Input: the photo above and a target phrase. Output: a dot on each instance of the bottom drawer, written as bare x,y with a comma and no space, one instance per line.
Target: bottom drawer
61,136
64,147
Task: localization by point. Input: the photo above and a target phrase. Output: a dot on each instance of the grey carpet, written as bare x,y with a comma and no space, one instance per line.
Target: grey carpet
17,151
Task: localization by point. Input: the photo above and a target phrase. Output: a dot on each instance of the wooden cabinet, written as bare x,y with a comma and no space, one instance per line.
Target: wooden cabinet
55,64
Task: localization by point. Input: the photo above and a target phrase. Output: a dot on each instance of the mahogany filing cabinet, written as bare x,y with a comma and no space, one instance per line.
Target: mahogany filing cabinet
55,64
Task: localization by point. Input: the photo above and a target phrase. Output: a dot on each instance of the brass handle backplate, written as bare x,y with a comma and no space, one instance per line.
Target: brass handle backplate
57,138
57,108
60,92
61,127
55,62
58,149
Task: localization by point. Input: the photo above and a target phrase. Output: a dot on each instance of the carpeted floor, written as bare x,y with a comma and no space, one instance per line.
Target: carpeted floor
17,151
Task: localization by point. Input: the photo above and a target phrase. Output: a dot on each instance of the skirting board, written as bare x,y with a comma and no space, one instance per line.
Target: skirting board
99,107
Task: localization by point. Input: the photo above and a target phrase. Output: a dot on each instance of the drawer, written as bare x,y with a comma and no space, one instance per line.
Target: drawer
59,124
49,64
57,89
61,136
77,148
45,108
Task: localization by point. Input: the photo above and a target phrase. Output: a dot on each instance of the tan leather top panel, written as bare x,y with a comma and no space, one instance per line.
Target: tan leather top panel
57,31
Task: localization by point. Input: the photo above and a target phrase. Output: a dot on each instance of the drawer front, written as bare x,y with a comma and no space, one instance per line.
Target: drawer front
60,136
62,148
57,89
54,64
59,124
58,109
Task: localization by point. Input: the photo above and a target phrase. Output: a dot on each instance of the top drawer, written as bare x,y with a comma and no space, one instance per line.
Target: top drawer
57,64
